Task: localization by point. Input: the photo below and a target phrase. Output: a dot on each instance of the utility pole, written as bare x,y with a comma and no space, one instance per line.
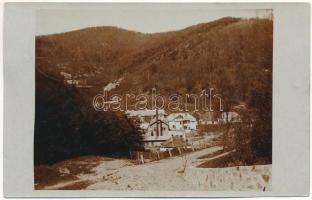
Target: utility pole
157,123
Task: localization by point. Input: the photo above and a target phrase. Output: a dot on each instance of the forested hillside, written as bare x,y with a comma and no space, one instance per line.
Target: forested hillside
66,127
227,53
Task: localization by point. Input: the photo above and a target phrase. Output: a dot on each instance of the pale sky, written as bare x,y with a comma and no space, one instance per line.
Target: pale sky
146,19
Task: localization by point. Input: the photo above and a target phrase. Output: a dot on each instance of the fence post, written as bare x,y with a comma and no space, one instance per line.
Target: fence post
170,154
179,150
142,158
138,156
158,155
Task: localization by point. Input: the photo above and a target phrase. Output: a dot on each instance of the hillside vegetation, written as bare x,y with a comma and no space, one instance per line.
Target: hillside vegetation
65,127
231,55
230,51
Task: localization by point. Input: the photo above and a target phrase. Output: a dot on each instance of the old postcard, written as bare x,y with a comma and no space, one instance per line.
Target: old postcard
163,106
142,97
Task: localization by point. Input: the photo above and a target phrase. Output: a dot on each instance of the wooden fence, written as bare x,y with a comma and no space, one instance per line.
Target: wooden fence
149,156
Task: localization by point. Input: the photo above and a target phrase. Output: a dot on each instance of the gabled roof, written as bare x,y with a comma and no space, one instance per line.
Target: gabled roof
161,119
181,116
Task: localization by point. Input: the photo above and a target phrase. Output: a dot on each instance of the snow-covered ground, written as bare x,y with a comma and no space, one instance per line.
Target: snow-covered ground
112,85
240,178
176,173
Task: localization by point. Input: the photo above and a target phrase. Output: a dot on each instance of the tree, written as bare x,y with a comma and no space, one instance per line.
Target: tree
65,127
261,104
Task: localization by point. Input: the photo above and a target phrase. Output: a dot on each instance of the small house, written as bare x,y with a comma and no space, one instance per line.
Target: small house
156,132
182,122
154,125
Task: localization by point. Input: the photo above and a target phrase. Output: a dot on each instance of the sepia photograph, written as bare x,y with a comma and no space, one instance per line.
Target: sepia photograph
153,100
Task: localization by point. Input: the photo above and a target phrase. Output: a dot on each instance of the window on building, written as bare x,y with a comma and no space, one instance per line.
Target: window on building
152,133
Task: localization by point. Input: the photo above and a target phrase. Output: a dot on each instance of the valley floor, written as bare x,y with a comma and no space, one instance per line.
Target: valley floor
175,173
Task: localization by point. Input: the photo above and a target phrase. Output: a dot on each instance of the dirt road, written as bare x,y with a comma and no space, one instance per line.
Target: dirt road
165,174
176,173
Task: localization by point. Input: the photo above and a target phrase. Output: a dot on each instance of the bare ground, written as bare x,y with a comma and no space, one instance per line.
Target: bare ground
175,173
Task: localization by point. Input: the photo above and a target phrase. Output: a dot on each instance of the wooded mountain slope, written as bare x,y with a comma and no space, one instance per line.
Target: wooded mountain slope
232,55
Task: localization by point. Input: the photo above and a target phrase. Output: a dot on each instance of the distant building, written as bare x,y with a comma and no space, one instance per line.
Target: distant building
231,117
182,122
157,132
70,80
145,116
155,127
207,118
159,127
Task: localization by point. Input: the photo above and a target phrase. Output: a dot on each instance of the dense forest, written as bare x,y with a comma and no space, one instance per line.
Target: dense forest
231,55
65,127
230,51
